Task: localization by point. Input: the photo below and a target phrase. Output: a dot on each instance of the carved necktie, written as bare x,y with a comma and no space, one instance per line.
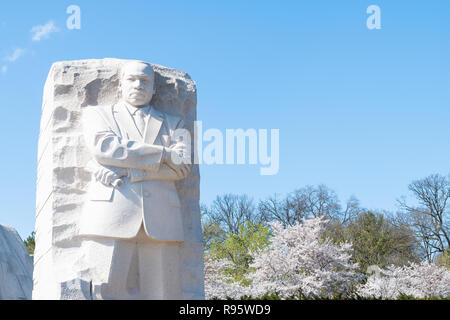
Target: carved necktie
139,117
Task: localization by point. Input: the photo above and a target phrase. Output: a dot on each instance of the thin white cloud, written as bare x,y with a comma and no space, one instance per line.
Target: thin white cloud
4,69
42,32
18,52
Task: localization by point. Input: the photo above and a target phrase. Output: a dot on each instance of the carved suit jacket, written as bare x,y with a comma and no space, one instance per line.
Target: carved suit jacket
149,195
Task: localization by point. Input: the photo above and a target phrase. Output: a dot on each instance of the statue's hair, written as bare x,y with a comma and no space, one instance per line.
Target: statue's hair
135,61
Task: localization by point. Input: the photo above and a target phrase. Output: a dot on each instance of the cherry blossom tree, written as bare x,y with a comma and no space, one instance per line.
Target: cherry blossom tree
299,262
419,280
219,285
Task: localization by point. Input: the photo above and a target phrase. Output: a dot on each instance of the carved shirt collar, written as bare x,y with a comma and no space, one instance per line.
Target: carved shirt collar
133,109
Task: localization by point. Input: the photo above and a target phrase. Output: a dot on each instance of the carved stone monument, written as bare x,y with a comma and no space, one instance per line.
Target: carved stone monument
16,266
117,212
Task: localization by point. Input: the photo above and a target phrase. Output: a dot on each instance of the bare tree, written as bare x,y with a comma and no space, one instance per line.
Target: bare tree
231,211
429,218
281,210
306,202
319,201
352,210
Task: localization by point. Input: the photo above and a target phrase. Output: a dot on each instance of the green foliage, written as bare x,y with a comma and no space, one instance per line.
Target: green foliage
375,240
372,240
444,259
406,297
238,248
29,243
212,234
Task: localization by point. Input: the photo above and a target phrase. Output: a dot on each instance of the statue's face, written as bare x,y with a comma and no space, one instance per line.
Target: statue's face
137,83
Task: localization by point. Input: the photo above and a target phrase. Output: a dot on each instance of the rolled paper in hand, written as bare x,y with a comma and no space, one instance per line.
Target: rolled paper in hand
116,183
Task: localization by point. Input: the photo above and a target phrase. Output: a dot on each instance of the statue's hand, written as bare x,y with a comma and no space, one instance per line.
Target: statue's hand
181,170
176,154
175,158
110,176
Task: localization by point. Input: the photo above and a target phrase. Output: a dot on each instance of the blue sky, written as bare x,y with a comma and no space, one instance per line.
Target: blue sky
362,111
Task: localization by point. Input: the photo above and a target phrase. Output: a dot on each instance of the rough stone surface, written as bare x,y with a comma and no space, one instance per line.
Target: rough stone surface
76,289
16,266
62,177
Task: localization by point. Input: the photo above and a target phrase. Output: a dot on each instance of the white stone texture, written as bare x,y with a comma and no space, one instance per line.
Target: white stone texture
62,178
16,266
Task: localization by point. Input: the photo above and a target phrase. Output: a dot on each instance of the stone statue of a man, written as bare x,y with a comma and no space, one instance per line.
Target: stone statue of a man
131,222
